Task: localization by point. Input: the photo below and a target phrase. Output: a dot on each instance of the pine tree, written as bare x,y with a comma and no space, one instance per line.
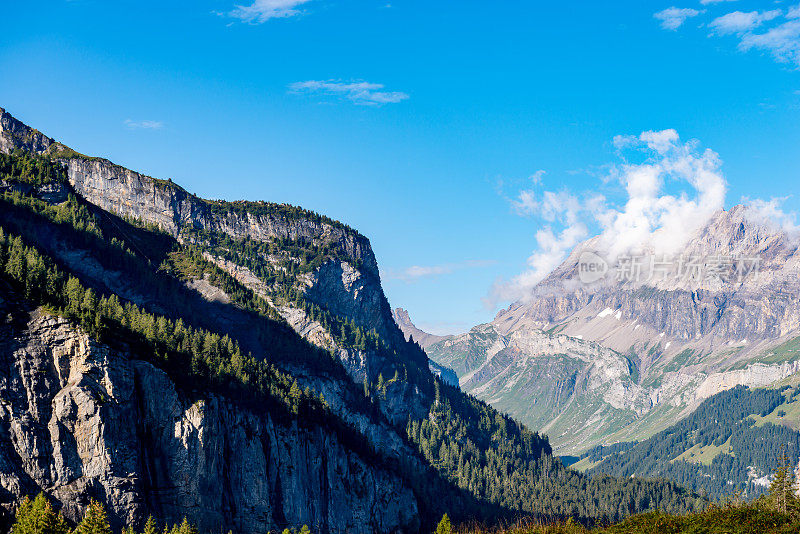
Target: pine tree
187,528
95,521
295,395
38,517
444,526
150,526
782,489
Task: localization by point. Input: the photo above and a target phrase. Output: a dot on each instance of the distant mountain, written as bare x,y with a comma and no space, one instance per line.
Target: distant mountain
423,339
237,363
623,357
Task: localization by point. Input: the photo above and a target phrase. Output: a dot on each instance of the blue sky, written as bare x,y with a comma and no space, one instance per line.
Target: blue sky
434,128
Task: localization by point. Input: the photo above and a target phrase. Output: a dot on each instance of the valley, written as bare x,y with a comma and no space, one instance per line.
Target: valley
238,364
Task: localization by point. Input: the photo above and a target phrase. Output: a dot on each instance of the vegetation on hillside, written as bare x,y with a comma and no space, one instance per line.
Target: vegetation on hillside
22,167
719,449
476,462
37,516
775,513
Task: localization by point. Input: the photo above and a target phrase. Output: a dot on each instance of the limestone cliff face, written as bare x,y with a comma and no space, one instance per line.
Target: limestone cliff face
349,289
223,465
81,420
354,292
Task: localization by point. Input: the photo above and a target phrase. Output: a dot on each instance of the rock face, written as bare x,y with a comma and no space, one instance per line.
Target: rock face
349,288
80,420
424,339
353,292
681,338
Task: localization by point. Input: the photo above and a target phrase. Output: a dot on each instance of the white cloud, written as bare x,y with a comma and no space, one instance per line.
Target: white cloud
661,141
770,213
358,92
740,22
649,218
143,125
261,11
526,203
782,41
552,245
707,2
673,18
416,272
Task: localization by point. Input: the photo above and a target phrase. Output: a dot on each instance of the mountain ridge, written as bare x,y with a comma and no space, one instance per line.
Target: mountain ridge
682,340
423,339
270,313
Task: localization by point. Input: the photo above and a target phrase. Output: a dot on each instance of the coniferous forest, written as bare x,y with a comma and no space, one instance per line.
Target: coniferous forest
742,450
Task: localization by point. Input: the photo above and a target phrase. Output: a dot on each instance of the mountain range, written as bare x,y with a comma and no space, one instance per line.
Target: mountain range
629,351
237,363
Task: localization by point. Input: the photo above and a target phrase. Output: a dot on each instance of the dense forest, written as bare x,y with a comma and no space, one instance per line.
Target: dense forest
476,462
776,512
727,449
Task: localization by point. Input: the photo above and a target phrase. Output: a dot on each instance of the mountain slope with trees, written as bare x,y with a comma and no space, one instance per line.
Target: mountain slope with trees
730,444
266,332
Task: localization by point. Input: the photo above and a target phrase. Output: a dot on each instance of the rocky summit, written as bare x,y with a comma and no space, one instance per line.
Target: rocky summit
624,355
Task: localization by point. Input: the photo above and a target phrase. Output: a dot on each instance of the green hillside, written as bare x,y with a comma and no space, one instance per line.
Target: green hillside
728,445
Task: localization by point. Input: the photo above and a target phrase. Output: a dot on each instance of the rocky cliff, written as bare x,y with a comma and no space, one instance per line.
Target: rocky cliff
410,330
204,456
424,339
82,420
281,390
348,287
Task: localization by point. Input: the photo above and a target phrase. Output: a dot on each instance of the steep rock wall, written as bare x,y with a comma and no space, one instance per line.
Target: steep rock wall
80,420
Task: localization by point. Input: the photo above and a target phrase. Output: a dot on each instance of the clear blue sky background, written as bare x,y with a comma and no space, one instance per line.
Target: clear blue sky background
496,91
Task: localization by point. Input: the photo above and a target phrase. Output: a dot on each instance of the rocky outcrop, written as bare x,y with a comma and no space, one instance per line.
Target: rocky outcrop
162,203
170,207
15,134
424,339
128,193
81,420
